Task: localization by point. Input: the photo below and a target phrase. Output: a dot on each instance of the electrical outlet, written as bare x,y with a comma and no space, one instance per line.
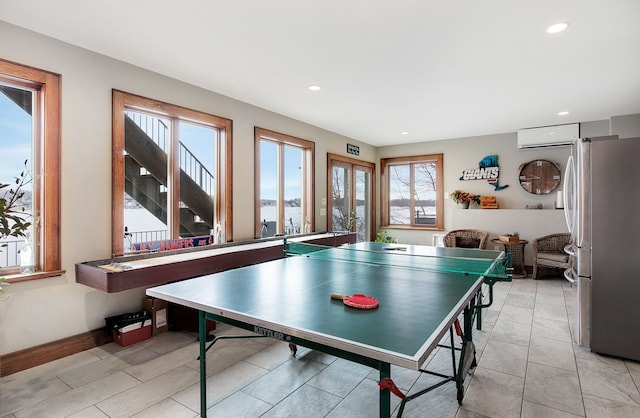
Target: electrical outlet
323,212
324,201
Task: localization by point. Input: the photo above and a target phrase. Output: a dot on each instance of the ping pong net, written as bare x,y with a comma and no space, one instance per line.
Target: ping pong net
493,269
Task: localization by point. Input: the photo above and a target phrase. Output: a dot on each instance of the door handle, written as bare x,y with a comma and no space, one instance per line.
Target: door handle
569,194
570,250
568,275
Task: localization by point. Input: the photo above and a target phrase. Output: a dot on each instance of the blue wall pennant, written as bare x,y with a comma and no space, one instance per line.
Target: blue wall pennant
488,169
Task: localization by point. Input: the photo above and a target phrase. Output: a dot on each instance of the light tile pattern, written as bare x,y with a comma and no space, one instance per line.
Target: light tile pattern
528,367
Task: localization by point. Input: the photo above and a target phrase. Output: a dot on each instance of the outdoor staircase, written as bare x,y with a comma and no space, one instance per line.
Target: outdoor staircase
146,180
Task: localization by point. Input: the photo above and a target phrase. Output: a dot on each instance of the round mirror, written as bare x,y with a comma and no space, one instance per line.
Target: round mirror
539,176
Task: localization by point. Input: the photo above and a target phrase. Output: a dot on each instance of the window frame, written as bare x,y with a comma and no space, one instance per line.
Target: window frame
46,167
384,186
335,160
308,176
122,101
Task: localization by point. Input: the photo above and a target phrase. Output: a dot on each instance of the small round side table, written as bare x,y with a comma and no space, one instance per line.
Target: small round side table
516,249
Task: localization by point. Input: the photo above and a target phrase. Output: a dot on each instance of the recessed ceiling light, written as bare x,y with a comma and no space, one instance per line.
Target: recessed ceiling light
404,133
563,113
557,27
314,88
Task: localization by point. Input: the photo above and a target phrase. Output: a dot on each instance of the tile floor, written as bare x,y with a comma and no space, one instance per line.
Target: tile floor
528,367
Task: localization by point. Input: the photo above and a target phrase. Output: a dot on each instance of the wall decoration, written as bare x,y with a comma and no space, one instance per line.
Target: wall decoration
171,244
489,202
539,176
487,170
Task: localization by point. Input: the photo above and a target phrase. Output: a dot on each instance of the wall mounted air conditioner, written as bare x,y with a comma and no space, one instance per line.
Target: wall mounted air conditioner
548,136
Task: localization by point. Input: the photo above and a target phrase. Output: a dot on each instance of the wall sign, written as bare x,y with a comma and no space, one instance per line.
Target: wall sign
488,169
353,149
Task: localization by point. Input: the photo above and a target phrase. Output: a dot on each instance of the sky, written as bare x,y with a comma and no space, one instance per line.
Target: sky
15,139
292,170
199,140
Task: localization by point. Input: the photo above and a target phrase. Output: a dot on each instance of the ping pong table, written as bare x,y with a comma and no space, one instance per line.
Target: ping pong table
422,293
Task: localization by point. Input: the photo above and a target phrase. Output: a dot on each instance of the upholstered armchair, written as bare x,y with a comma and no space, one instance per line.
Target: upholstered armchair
548,251
466,238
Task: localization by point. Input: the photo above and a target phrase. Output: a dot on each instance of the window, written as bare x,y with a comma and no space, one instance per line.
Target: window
351,196
283,183
412,193
30,131
171,174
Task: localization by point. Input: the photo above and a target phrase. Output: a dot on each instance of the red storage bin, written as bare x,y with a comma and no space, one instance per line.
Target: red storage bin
133,336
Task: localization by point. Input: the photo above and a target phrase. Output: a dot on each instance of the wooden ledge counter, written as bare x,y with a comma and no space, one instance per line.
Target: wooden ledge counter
150,269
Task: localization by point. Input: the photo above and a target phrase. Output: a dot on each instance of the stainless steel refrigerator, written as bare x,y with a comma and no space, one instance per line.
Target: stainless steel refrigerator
602,207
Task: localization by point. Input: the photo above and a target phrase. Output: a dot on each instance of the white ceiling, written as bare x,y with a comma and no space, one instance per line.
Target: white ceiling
436,69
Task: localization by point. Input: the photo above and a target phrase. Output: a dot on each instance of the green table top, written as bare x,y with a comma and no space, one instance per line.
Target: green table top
292,296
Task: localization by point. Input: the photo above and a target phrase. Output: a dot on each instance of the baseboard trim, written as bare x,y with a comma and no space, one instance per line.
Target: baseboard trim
34,356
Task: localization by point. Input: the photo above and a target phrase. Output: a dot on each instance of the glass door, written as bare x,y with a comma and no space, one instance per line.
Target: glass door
363,203
351,196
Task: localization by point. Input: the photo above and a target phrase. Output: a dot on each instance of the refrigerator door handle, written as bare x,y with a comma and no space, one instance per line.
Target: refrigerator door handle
569,194
570,249
568,275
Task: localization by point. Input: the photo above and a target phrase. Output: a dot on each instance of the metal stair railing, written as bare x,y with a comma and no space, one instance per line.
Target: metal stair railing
146,153
189,163
156,131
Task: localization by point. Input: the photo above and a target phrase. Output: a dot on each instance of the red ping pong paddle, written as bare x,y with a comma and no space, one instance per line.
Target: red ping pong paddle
357,300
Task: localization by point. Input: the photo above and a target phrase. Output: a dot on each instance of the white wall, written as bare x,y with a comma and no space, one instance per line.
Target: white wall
626,126
45,310
465,153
